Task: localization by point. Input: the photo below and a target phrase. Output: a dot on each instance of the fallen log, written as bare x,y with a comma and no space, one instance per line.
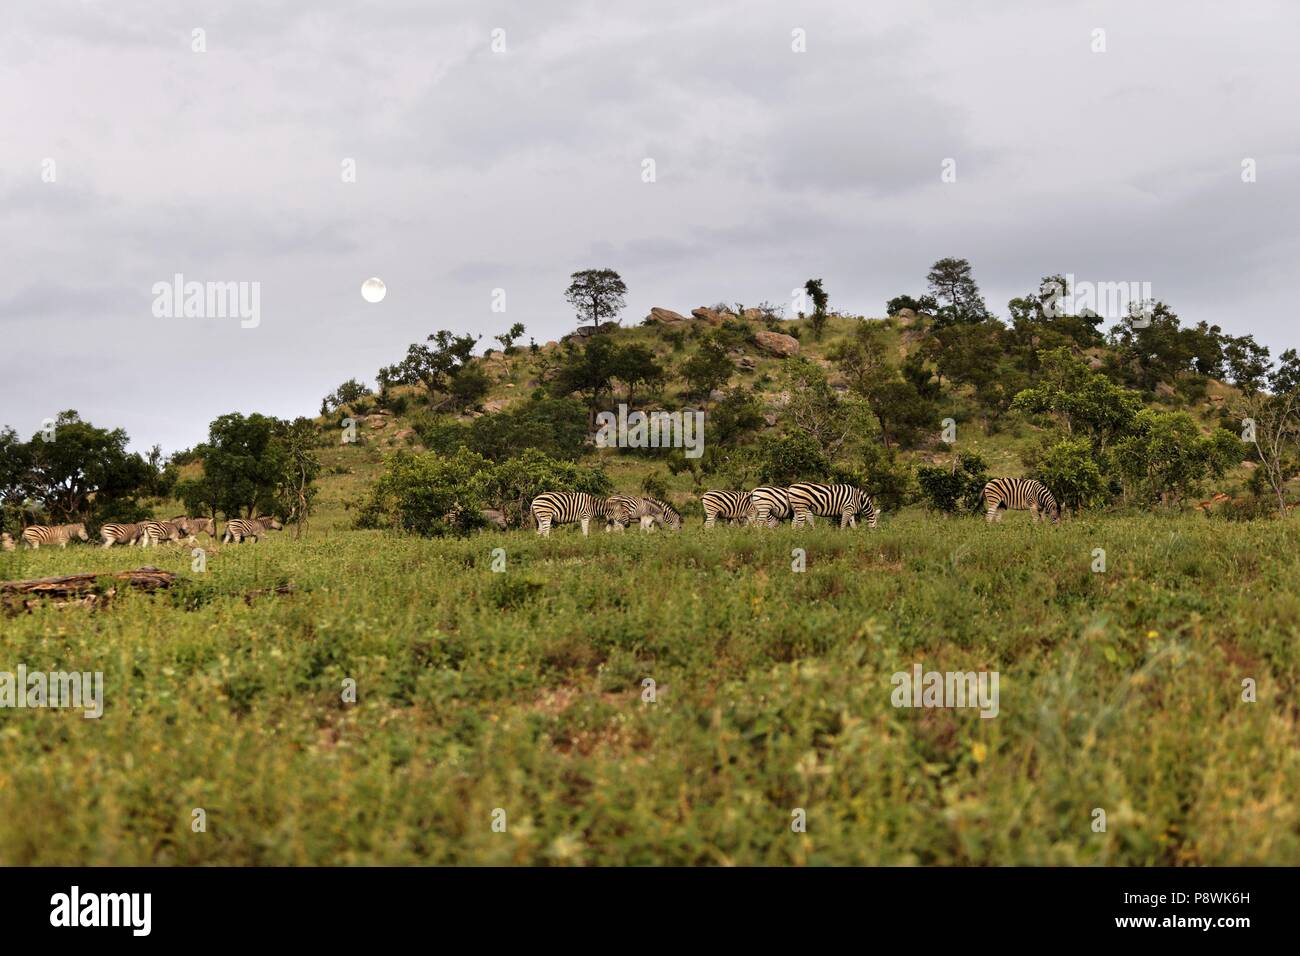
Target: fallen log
70,585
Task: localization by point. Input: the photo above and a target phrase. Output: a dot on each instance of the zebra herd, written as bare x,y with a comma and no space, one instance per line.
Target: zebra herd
768,505
144,533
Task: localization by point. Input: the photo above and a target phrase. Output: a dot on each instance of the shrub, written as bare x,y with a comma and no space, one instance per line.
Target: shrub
954,488
1070,471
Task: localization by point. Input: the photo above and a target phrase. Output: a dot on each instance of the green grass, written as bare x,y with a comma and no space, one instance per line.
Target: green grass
522,691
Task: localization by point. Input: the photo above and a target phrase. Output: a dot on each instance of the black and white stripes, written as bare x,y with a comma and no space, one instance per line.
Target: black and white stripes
830,501
567,507
39,534
732,505
1019,494
237,529
127,534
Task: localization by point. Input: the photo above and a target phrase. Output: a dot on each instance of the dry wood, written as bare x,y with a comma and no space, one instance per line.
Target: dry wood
70,585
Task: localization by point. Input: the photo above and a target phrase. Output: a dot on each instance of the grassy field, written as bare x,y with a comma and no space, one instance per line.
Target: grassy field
522,691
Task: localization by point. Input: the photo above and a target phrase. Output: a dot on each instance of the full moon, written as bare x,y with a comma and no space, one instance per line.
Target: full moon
374,290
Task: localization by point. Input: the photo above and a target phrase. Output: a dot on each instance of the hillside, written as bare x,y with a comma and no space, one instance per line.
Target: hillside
673,341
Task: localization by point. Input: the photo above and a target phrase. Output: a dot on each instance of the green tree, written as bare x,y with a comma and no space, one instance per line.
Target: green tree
819,300
598,295
951,283
708,369
786,459
1165,457
244,465
1082,401
435,367
509,337
1069,468
79,472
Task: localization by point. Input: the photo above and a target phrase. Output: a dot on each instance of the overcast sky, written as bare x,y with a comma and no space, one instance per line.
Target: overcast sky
478,170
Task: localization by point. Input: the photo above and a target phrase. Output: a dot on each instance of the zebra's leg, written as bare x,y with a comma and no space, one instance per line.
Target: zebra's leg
709,518
585,523
991,515
544,527
108,543
849,520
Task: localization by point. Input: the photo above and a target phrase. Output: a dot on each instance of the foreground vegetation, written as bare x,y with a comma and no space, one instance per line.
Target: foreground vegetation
522,690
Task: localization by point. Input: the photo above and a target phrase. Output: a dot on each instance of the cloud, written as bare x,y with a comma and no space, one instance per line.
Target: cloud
479,170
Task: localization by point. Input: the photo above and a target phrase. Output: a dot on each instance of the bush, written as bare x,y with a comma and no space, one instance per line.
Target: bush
955,488
786,459
416,493
1070,471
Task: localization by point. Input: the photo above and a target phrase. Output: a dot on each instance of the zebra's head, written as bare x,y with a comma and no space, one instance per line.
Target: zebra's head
6,541
272,524
865,504
78,531
665,514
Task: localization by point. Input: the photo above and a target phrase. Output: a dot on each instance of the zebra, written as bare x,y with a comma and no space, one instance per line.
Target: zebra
38,534
6,541
153,533
127,534
191,526
237,529
566,507
733,505
808,499
771,505
660,512
1018,494
619,510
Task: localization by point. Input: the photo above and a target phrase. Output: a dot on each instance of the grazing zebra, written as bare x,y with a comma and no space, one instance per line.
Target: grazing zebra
732,505
6,541
38,534
620,510
566,507
237,529
1018,494
660,512
153,533
848,502
771,505
191,526
127,534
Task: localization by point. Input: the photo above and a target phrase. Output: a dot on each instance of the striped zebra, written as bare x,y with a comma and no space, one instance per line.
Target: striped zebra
808,499
153,533
127,534
38,534
620,511
192,526
6,541
237,529
566,507
771,505
732,505
660,513
1019,494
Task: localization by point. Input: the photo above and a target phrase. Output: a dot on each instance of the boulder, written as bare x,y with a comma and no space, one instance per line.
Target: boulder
710,315
666,316
405,434
377,421
1165,391
776,343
